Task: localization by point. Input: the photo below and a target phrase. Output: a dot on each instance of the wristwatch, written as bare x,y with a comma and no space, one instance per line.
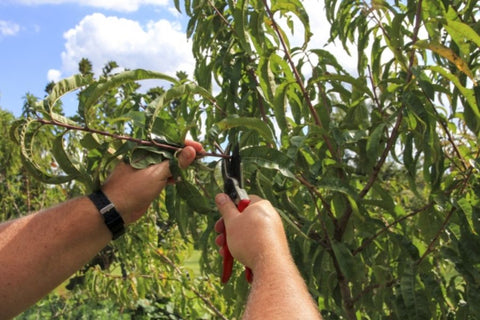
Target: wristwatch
111,217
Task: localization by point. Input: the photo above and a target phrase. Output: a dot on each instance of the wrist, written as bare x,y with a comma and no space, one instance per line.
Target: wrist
275,260
112,219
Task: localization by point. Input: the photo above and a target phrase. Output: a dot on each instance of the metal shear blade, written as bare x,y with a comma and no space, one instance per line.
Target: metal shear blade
232,176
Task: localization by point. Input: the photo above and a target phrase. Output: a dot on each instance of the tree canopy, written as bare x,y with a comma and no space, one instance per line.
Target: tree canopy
374,171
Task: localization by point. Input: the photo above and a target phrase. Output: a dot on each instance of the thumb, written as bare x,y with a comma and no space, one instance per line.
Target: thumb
225,205
186,157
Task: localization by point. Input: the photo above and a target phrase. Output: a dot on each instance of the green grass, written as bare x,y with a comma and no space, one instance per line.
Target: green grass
193,262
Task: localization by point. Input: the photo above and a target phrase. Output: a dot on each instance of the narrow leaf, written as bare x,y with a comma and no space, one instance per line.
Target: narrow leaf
66,164
251,123
65,86
465,30
448,54
270,159
194,198
92,93
467,93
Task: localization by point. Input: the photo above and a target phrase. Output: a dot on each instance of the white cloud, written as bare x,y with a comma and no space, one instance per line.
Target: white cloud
320,29
8,28
54,75
159,46
118,5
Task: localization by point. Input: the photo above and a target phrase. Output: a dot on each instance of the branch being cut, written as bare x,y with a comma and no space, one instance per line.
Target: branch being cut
124,137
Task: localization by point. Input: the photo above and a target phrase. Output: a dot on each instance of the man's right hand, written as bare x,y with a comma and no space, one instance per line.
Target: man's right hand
257,239
254,235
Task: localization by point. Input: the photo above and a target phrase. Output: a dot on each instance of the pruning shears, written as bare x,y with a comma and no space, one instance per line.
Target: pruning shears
233,187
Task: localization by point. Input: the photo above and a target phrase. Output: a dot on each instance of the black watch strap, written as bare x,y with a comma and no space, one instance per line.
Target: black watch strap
112,218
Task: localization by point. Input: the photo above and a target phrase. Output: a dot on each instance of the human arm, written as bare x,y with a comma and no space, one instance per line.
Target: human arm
39,251
257,239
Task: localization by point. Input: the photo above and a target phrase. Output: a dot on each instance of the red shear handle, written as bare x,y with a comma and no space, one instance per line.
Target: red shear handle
227,263
243,204
227,256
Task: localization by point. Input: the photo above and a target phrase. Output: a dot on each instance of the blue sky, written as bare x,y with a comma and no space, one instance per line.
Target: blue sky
43,40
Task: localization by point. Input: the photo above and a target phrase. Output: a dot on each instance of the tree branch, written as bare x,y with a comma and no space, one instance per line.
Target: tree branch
345,290
395,131
299,80
367,241
124,137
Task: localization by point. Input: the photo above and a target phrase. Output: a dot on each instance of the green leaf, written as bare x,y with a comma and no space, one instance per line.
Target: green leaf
338,185
65,86
26,140
463,29
240,21
177,5
374,142
346,260
268,158
407,286
194,198
280,102
93,92
142,156
65,162
90,141
468,94
357,83
448,54
294,7
250,123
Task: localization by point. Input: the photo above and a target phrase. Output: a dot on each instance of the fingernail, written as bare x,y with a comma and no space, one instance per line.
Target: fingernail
221,199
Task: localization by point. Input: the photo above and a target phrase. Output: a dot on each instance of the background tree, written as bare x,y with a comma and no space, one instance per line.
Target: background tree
375,172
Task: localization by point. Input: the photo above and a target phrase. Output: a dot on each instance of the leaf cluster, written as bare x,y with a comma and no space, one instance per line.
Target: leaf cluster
374,170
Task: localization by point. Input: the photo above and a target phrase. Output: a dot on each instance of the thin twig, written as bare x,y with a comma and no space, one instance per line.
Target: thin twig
313,190
437,235
449,135
367,241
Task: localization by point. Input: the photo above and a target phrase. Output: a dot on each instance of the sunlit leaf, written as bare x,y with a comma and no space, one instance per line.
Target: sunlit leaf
250,123
449,54
268,158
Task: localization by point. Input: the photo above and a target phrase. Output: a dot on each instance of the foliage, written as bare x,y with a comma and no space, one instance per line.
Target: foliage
141,275
19,192
374,170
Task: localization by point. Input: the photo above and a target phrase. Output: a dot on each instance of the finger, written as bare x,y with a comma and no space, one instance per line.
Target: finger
254,198
226,206
220,226
196,145
187,156
221,251
160,171
220,240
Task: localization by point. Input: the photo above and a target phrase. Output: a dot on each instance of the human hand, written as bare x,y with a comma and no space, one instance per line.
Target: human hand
133,190
254,236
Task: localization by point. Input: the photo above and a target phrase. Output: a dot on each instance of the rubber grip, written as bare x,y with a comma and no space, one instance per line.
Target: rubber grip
227,256
241,206
227,262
